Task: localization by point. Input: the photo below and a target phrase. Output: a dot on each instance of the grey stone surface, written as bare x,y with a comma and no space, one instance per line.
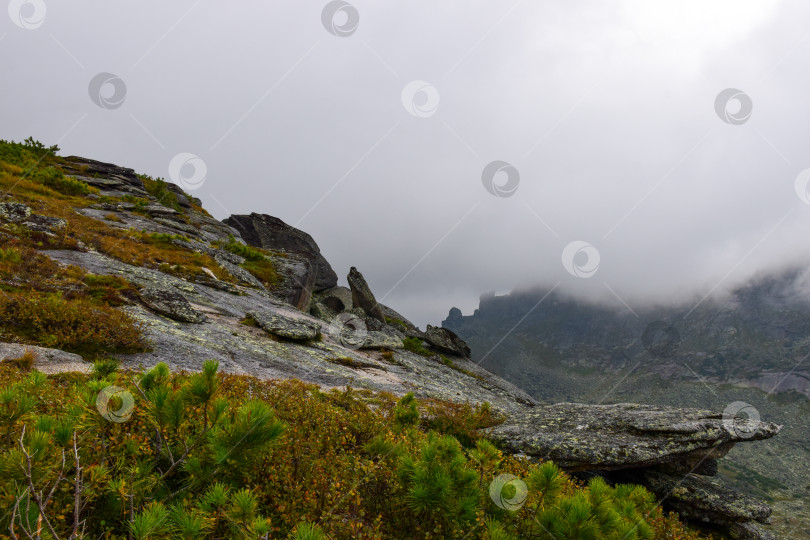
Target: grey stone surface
172,304
379,340
286,327
446,341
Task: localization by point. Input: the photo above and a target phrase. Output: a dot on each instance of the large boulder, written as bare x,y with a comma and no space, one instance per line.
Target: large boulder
362,297
297,281
446,341
285,327
171,304
268,232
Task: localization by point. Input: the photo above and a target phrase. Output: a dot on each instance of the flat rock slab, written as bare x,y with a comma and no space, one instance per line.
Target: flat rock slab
610,437
285,327
47,360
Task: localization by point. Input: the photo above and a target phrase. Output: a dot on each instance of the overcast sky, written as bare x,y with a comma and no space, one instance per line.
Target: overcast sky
369,125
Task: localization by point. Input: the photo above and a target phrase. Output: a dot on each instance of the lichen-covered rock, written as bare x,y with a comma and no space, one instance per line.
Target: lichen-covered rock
379,340
609,437
14,212
749,531
44,224
171,304
285,327
362,297
698,498
268,232
446,341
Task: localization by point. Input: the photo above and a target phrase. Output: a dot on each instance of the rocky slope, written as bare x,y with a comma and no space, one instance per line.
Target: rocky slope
282,314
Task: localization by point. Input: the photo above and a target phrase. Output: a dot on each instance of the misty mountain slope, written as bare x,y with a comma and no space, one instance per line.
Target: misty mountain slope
100,265
750,348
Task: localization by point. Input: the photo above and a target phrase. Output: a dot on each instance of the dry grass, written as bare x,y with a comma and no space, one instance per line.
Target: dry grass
24,362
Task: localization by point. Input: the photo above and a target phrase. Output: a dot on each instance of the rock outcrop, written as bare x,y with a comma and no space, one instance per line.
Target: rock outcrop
362,297
103,175
446,341
171,304
268,232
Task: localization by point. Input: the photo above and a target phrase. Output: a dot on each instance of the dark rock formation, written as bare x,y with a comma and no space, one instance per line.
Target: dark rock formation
285,327
296,281
446,341
171,304
268,232
697,498
103,175
362,297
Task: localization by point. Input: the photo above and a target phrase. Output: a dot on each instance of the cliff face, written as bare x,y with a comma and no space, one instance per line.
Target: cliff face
201,292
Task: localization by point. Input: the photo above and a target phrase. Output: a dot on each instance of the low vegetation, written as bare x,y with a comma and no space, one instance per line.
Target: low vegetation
208,455
258,262
158,188
77,325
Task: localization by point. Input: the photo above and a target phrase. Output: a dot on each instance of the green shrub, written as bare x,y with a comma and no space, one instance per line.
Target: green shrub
416,345
57,181
75,325
209,455
158,188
